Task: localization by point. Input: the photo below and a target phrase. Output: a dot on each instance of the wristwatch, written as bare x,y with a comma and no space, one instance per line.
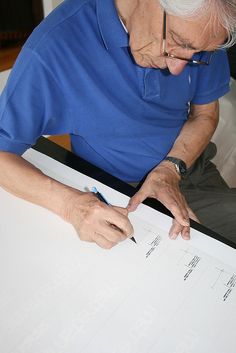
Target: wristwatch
180,165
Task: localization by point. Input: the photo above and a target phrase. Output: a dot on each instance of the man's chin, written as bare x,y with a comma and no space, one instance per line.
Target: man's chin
150,65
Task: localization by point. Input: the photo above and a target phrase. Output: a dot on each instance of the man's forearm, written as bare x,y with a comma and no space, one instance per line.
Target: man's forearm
22,179
196,133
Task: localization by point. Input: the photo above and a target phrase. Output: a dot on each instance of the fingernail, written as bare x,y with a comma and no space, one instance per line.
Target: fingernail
186,236
130,208
173,236
131,235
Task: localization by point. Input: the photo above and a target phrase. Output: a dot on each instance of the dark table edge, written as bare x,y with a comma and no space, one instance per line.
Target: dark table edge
65,157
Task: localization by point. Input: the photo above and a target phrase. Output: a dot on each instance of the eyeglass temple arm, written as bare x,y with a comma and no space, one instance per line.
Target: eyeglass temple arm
164,33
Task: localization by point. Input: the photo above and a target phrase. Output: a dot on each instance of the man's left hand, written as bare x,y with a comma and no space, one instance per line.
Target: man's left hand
162,183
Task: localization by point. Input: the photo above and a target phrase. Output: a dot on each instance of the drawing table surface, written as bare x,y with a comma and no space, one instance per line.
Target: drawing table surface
59,294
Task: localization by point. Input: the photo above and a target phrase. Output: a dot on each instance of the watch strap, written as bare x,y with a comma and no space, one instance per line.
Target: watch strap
179,164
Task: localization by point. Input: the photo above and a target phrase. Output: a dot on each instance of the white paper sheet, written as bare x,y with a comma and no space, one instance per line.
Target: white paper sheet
60,295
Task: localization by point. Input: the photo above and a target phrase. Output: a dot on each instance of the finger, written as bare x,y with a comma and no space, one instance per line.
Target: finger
84,236
175,229
108,231
120,221
177,208
101,241
192,215
121,210
185,233
174,201
112,233
138,198
179,228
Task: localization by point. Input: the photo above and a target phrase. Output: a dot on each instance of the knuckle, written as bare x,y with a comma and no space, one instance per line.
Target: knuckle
116,238
107,245
84,236
128,230
173,206
177,226
95,209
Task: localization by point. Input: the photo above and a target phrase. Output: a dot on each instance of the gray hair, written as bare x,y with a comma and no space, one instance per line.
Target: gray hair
224,10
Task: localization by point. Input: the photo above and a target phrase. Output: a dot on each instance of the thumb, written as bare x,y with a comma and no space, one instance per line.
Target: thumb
138,198
121,210
192,215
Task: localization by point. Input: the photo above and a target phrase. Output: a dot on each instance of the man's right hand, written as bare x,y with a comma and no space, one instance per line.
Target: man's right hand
97,222
93,220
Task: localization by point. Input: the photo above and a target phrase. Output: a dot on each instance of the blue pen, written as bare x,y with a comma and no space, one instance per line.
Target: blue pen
102,198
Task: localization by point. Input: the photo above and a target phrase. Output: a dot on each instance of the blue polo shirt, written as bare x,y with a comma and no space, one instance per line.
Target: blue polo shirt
76,75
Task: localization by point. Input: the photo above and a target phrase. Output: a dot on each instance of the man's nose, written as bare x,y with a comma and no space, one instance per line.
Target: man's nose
175,66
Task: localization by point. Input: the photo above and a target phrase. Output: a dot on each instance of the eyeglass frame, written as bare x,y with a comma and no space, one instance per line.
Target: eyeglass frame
172,56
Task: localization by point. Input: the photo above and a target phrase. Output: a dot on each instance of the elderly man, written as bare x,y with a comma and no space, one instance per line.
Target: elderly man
136,84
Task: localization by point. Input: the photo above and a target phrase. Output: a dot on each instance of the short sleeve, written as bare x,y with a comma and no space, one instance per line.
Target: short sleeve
31,105
212,81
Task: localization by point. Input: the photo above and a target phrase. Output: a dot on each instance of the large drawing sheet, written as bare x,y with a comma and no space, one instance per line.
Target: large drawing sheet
61,295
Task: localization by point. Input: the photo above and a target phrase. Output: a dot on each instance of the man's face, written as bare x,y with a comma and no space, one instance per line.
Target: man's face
184,38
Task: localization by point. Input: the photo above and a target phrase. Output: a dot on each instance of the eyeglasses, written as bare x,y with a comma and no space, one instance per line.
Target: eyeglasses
172,56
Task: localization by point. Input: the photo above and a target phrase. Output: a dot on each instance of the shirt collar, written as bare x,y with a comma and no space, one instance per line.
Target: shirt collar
111,29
